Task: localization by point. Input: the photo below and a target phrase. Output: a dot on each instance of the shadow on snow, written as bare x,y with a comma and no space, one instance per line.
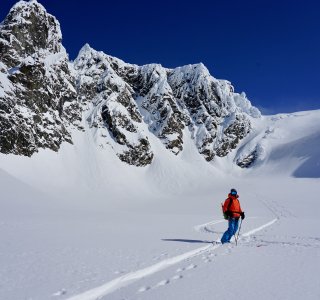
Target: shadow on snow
187,241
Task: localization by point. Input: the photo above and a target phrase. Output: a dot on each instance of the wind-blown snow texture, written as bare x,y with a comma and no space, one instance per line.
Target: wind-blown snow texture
79,223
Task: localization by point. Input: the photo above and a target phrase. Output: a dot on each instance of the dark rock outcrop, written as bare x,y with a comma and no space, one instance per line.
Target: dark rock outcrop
248,160
37,92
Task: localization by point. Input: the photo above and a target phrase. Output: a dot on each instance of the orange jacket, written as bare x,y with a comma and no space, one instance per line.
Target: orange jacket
234,207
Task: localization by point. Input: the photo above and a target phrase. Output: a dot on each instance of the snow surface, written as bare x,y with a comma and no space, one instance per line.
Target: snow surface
81,224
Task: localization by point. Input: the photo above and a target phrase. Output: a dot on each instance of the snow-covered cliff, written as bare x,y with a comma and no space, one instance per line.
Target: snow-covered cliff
38,100
44,97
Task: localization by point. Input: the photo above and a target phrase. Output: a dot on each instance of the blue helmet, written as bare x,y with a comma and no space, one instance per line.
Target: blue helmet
233,192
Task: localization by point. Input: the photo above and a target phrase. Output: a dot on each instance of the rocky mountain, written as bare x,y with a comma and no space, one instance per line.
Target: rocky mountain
38,99
44,98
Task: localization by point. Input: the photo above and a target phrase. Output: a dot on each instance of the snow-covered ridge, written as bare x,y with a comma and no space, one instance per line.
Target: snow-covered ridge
170,100
45,99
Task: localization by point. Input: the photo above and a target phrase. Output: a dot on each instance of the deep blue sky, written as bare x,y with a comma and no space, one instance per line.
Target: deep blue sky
269,49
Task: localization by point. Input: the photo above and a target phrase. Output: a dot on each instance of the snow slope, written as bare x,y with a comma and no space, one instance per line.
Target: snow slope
287,143
80,224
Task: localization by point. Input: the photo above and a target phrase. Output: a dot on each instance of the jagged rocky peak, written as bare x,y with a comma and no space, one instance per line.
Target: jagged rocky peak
145,91
97,71
169,101
159,107
43,97
27,29
219,117
115,113
37,89
191,89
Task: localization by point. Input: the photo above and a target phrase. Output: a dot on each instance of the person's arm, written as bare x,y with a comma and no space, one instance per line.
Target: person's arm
225,205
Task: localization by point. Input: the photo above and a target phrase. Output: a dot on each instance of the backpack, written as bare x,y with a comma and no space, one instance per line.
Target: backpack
225,215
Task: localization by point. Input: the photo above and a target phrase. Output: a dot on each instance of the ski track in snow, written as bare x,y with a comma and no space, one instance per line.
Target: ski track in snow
127,279
204,227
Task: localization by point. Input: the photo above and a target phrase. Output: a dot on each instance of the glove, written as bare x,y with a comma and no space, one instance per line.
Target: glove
242,215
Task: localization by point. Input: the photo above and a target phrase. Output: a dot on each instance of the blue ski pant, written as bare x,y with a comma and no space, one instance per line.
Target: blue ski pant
232,229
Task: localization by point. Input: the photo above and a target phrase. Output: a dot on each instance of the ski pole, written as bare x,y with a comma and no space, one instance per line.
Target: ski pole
237,237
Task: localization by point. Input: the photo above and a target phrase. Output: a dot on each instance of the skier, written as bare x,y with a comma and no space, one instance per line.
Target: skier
232,212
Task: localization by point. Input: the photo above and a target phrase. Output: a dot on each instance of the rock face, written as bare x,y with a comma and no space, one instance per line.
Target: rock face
43,97
248,160
37,92
172,102
114,111
216,116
